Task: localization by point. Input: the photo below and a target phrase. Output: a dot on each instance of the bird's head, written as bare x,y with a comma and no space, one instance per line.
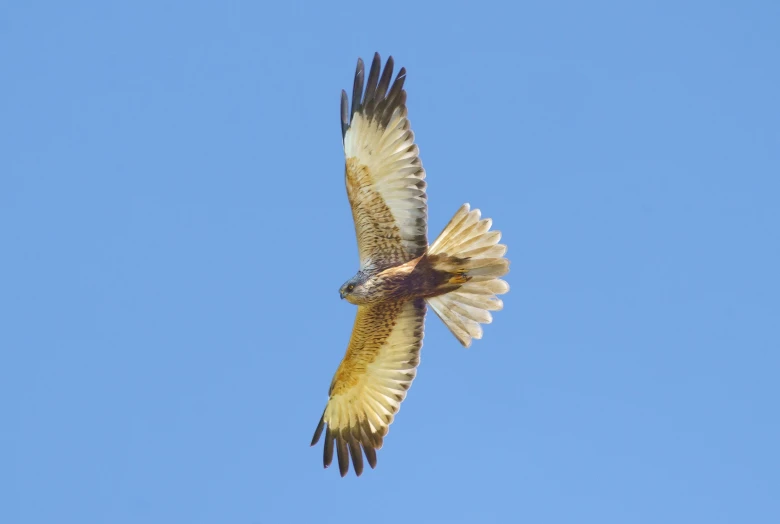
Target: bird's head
355,290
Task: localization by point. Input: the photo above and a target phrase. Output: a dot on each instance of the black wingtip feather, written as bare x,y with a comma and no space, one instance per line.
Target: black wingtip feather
327,449
384,111
318,431
357,454
370,456
343,454
398,85
357,86
384,81
373,77
344,113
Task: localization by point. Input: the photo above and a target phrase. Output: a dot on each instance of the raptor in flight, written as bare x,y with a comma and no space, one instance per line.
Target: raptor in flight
458,275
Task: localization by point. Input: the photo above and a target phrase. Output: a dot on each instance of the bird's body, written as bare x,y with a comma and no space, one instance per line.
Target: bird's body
417,278
400,274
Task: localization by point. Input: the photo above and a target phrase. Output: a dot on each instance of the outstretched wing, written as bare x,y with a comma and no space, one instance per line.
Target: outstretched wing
371,381
384,175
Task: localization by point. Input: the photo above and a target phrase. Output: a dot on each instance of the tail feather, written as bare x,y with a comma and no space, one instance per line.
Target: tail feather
491,287
463,327
497,251
471,251
440,244
497,267
486,302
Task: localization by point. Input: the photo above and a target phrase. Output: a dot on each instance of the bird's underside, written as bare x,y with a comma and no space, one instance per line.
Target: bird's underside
458,275
423,277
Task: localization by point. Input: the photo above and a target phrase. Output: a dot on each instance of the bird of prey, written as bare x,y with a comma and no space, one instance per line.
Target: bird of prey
458,275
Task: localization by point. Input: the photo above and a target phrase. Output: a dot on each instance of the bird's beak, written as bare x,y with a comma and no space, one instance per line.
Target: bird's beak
341,294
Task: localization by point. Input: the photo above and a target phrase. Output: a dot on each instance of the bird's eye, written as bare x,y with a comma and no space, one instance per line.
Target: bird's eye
350,287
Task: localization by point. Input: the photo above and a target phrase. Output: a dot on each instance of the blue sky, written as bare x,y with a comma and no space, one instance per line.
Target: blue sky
175,230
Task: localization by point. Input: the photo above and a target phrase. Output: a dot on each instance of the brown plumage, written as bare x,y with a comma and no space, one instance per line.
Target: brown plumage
400,274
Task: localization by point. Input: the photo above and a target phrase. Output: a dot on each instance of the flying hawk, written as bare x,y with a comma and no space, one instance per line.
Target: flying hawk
457,275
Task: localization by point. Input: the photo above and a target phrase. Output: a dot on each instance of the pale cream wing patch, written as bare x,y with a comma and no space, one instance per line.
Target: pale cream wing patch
371,381
384,175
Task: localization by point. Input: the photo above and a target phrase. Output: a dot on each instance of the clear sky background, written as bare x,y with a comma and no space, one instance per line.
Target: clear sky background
175,229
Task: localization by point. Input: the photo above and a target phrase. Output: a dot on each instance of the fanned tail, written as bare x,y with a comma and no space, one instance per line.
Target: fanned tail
471,253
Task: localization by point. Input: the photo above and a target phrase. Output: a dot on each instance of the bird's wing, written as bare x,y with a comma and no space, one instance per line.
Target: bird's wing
371,381
384,175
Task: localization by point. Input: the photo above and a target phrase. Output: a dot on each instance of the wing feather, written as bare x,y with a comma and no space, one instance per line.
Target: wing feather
384,175
371,382
357,86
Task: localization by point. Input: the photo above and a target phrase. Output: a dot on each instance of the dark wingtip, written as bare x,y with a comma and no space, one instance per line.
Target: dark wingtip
343,454
344,113
318,431
384,80
357,87
327,449
355,451
349,443
370,455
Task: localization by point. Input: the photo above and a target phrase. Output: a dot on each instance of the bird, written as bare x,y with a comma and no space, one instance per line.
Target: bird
400,274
